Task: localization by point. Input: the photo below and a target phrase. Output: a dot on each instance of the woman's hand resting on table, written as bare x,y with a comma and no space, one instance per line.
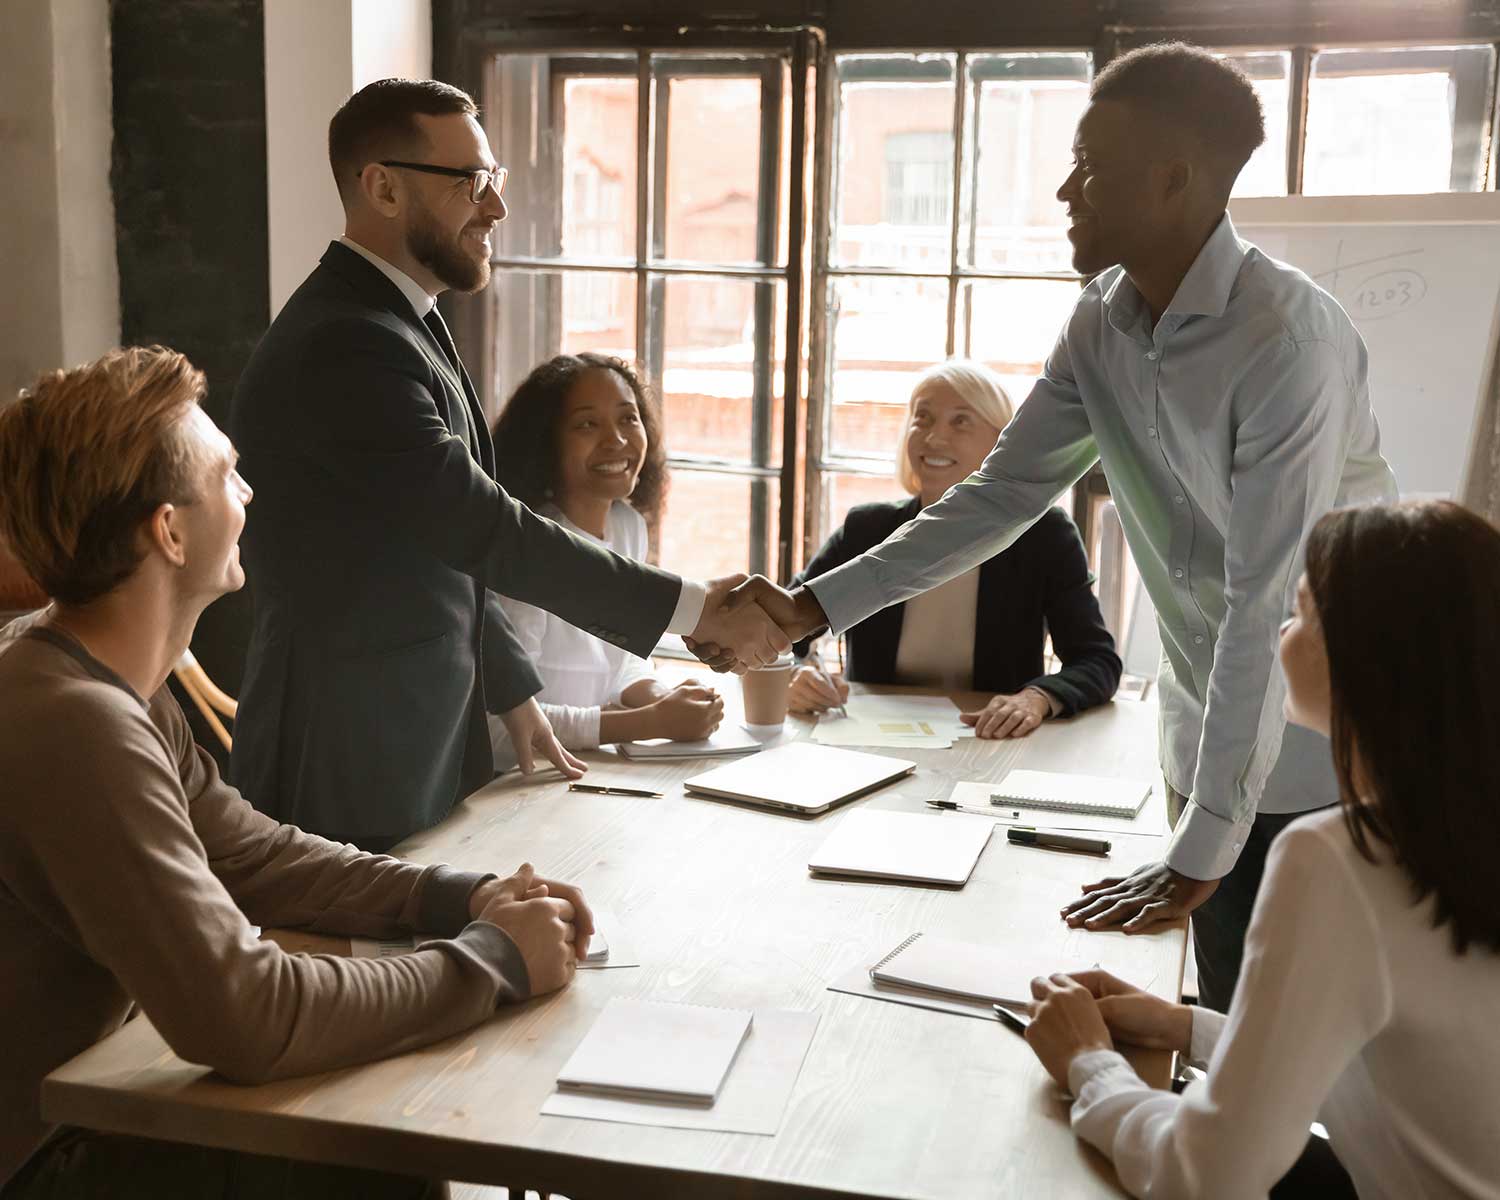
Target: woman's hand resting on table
689,712
811,692
1091,1010
1010,716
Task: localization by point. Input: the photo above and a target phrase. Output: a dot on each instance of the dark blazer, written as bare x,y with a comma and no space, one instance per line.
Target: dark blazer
375,529
1040,584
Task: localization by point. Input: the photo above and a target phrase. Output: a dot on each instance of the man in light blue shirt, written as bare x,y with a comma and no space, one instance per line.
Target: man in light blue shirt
1225,395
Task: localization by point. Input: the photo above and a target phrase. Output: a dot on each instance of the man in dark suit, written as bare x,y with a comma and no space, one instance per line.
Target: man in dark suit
379,524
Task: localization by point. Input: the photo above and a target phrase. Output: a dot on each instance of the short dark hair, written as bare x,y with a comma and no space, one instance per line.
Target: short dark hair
1194,89
378,121
527,432
1406,597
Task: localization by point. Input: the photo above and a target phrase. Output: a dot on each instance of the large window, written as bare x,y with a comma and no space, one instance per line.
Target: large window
649,220
654,196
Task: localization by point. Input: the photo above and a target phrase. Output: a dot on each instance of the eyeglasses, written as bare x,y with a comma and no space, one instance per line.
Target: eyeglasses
480,181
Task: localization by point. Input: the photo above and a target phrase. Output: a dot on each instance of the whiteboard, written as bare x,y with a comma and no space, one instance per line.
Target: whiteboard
1420,277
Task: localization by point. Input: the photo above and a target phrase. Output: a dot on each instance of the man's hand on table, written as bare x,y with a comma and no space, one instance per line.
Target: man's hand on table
793,615
550,923
531,735
1147,897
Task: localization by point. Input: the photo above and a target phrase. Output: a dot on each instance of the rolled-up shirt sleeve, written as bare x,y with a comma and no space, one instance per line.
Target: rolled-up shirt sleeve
1039,455
1290,440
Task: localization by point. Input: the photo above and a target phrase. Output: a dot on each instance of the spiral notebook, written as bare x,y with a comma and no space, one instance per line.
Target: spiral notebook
963,969
1089,794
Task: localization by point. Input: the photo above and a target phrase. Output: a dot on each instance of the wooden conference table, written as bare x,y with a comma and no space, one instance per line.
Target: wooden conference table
892,1101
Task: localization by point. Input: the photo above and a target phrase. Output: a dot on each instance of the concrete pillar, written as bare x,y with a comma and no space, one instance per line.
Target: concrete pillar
317,55
60,286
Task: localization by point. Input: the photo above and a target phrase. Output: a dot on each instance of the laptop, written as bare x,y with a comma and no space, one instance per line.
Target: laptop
800,778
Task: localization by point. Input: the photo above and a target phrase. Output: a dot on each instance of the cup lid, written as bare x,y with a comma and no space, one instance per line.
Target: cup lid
780,664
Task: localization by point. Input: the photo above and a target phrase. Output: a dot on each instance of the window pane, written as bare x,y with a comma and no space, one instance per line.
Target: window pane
1265,173
709,367
567,133
713,169
1012,324
894,170
842,491
712,521
1023,109
1393,121
884,334
536,314
598,167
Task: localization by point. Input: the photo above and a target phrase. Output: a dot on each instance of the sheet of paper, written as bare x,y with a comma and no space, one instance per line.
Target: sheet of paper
914,722
608,930
754,1096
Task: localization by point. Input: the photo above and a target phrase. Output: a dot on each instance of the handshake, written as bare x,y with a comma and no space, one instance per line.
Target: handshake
750,622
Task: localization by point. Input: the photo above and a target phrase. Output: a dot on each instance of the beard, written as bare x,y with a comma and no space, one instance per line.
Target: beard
444,254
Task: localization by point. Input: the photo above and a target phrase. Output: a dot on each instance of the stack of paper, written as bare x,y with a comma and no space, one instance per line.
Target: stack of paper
900,722
657,1051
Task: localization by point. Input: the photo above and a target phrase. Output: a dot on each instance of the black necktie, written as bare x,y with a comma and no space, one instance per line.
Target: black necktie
434,322
439,330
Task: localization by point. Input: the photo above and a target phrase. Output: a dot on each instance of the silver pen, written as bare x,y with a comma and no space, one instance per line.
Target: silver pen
814,661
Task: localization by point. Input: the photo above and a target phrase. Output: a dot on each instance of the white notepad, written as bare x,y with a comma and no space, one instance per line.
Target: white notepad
800,777
952,968
1092,794
657,1051
723,741
921,847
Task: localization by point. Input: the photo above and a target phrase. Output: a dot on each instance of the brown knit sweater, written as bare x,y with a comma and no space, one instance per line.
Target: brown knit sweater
130,873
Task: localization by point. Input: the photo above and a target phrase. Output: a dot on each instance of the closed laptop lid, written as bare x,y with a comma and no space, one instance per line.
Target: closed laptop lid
801,777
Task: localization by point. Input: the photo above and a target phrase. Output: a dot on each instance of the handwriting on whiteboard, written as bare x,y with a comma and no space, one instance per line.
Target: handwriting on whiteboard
1372,288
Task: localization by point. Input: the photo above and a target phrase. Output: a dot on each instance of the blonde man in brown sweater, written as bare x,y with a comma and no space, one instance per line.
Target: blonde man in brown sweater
130,874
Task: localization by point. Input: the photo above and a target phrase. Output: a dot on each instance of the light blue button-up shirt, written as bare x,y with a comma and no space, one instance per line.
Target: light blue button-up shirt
1226,432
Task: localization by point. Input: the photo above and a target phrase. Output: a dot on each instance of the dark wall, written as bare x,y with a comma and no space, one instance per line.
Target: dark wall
189,178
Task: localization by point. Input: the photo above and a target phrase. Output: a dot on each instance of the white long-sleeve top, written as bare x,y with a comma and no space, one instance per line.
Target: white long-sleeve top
580,673
1351,1010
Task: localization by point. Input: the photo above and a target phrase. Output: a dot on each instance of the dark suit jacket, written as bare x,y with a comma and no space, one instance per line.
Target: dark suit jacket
1040,584
375,529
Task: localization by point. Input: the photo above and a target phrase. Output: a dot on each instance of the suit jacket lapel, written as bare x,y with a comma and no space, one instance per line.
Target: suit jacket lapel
379,292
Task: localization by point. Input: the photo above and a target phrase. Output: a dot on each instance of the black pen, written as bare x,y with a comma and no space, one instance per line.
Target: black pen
1017,1021
600,789
1057,841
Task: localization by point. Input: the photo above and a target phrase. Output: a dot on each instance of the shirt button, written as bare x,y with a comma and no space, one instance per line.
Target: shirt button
1154,355
1150,430
1176,499
1178,572
1198,641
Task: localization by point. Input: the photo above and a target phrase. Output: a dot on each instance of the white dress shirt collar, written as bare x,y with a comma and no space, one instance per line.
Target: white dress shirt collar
1204,290
421,300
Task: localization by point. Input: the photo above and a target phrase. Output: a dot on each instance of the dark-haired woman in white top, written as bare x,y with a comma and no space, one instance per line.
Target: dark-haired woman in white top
1370,994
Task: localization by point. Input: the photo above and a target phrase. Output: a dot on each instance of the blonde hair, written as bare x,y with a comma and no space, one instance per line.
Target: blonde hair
976,385
86,455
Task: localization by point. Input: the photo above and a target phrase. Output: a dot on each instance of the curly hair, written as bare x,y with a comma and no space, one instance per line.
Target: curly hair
532,421
1194,89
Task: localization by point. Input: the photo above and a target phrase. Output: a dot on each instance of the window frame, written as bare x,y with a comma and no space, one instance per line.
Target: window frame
773,59
822,457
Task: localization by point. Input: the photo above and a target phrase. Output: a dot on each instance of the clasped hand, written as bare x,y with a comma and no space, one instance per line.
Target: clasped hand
1089,1010
750,622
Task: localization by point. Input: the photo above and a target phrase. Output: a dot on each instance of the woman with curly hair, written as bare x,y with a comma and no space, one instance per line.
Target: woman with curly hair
580,442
